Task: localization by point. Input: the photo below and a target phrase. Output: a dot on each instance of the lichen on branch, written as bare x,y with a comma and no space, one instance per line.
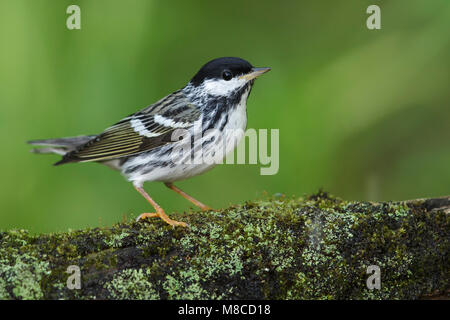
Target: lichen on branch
316,247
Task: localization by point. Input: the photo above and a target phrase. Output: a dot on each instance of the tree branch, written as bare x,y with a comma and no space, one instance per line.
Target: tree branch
280,248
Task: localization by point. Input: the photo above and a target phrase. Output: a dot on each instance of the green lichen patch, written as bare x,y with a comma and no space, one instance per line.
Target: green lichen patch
21,270
317,247
131,284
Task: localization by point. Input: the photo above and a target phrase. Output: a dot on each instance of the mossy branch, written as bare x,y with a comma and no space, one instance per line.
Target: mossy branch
318,247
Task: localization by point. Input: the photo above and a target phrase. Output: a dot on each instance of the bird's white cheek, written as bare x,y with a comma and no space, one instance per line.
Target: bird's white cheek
221,87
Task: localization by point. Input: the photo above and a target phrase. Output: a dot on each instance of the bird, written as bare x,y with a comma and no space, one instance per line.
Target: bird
148,145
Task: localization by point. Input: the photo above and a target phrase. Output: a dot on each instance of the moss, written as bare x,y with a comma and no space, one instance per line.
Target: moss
115,240
21,272
316,247
131,284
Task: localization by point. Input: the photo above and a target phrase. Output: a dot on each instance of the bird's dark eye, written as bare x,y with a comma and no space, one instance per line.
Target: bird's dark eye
227,75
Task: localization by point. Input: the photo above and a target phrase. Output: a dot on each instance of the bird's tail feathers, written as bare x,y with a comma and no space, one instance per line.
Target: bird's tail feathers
59,146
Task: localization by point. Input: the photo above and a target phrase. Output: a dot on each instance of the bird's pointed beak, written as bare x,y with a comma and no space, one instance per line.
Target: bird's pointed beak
254,73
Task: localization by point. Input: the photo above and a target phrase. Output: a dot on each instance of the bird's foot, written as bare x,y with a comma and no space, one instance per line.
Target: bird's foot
163,217
146,215
175,223
206,208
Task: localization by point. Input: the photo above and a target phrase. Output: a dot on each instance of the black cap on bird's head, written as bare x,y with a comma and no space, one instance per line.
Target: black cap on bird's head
226,74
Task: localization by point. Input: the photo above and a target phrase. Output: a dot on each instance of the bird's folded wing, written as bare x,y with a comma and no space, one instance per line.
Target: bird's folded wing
147,129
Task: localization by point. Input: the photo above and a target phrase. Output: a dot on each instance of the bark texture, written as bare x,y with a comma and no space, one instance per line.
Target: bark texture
316,247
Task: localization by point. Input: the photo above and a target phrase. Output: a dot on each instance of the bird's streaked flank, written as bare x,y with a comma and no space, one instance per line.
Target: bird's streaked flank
141,145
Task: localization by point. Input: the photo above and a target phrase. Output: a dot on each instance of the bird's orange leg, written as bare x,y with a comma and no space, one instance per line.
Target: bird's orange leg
188,197
159,211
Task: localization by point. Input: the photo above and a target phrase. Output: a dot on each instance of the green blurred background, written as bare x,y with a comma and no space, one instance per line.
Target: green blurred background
362,113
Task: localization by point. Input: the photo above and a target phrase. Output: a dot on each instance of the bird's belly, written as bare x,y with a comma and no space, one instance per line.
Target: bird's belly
145,168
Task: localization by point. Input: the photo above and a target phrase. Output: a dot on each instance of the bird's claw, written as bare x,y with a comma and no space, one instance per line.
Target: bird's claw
171,222
146,215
